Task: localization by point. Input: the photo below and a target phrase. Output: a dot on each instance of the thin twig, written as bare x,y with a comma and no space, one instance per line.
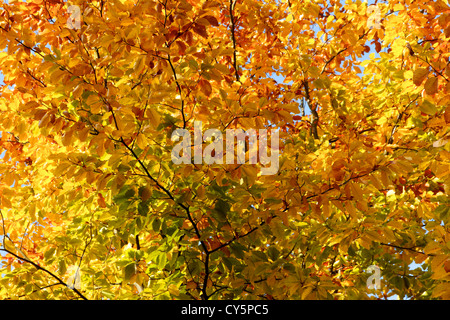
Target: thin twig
233,39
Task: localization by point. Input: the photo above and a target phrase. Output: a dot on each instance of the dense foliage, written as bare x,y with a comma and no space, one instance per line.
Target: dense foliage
92,206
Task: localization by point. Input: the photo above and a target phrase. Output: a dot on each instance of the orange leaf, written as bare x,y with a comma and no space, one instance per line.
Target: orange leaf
191,285
101,201
212,20
419,75
205,86
431,86
201,30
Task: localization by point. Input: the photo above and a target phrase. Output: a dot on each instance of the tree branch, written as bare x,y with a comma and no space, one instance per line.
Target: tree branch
179,90
399,118
313,109
406,248
60,281
233,39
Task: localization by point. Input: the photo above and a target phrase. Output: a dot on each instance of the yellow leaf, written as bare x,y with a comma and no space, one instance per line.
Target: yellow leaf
432,248
250,172
116,72
351,210
61,169
356,191
93,101
385,179
306,292
67,138
5,203
442,170
376,182
436,122
101,147
141,141
438,261
373,235
442,290
325,208
83,134
395,224
428,107
222,68
56,75
154,116
173,290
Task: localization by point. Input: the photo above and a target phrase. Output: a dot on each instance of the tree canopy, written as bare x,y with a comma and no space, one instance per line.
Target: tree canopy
93,207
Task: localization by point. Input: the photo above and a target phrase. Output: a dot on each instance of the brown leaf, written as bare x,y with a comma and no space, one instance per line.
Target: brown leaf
201,30
447,32
181,47
212,20
205,86
377,46
419,75
431,86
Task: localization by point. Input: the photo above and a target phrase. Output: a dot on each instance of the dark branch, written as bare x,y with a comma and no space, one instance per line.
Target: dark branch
233,39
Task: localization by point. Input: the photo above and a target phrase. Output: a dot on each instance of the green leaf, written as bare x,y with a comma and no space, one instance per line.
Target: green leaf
124,168
62,268
86,94
108,294
161,260
129,271
260,255
49,253
261,268
75,242
143,208
238,250
428,107
49,57
273,253
156,224
222,208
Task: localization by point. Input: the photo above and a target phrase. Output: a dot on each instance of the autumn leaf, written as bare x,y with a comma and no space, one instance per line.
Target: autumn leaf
200,29
206,87
431,86
420,75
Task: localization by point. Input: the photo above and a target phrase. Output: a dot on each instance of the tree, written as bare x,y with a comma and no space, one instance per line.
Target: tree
92,206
